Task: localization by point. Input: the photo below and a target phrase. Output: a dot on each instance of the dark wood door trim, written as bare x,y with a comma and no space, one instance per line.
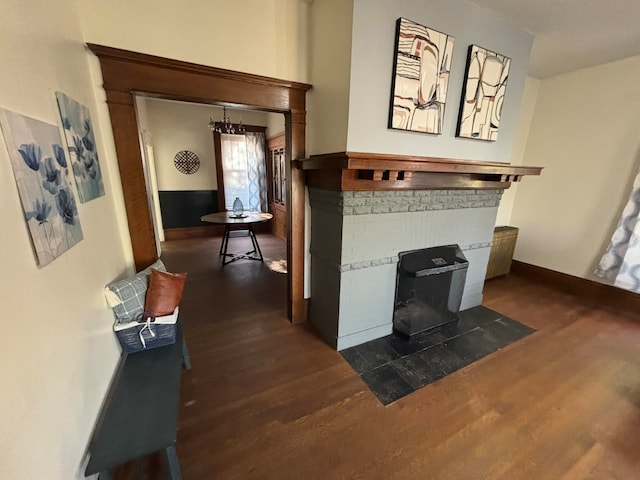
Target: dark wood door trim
217,151
127,73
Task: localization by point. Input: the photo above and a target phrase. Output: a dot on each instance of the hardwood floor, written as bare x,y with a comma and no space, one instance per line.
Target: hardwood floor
266,399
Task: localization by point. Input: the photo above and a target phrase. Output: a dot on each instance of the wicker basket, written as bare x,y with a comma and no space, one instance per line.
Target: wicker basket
504,243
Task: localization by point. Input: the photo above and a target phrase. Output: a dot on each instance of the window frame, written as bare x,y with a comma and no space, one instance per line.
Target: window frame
217,150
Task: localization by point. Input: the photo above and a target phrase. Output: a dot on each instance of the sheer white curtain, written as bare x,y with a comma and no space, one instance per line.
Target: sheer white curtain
234,170
621,261
244,170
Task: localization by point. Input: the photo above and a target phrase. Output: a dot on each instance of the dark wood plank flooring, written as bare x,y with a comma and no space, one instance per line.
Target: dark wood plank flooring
269,400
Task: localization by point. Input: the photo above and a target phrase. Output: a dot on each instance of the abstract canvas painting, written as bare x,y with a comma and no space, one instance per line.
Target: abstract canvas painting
420,78
42,176
483,94
81,145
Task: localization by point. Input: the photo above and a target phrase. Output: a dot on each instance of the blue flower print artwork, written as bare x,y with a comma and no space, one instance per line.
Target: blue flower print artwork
81,144
43,179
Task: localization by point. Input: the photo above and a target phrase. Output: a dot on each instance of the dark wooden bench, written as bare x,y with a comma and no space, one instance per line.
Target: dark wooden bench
140,413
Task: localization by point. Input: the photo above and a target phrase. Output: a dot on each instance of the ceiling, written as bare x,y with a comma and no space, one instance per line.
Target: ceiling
573,34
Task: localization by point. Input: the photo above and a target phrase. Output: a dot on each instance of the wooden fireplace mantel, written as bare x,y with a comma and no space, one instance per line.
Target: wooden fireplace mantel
356,171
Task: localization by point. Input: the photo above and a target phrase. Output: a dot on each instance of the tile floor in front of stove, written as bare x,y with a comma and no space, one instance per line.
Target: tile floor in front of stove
394,366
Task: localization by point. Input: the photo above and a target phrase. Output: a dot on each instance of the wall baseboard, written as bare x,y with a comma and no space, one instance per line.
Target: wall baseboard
595,291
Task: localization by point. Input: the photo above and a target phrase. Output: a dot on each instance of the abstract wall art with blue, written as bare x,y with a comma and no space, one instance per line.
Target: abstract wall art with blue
42,176
81,144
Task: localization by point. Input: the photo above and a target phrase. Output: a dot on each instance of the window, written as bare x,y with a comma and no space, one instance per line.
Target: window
243,171
235,171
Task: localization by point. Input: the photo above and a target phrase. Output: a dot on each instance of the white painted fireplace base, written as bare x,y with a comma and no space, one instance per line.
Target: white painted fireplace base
355,241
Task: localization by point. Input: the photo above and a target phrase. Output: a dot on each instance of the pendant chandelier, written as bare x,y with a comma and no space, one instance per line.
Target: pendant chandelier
225,126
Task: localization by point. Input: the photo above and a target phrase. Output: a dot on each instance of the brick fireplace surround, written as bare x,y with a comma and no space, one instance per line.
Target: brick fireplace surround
362,218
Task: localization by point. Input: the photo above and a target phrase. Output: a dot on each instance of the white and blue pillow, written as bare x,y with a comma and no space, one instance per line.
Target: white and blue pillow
126,297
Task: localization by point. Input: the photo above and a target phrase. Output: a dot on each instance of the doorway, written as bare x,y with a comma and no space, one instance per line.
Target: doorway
222,166
126,74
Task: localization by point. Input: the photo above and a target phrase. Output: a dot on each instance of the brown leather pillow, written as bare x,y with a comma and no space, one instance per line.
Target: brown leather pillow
164,293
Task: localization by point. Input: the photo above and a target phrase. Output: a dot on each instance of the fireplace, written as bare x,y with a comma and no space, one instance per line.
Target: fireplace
429,287
355,240
367,207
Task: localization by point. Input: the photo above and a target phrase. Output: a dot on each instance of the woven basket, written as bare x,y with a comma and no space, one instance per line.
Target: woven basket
504,243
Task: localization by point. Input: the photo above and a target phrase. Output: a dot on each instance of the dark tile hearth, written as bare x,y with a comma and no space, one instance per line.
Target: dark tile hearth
394,366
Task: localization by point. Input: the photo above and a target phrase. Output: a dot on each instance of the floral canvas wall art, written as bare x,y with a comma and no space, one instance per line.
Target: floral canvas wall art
483,94
81,144
420,78
42,176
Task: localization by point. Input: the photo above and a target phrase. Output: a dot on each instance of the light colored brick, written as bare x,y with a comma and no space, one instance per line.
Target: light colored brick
360,265
362,210
380,209
403,207
363,194
357,202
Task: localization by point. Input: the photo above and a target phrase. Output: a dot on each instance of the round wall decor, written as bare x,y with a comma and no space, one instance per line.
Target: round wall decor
186,162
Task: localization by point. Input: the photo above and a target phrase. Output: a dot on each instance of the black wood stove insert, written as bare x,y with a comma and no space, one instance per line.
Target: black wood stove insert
429,287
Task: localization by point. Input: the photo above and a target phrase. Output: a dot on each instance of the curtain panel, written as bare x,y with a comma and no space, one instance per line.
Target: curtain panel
257,171
620,263
244,170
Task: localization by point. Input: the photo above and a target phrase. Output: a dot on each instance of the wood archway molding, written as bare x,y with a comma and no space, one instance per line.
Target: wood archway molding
127,73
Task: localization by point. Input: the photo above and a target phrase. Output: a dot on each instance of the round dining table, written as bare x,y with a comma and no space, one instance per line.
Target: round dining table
238,226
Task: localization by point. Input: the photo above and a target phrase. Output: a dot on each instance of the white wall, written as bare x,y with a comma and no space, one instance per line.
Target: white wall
265,37
330,25
177,126
585,132
529,97
57,349
374,26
